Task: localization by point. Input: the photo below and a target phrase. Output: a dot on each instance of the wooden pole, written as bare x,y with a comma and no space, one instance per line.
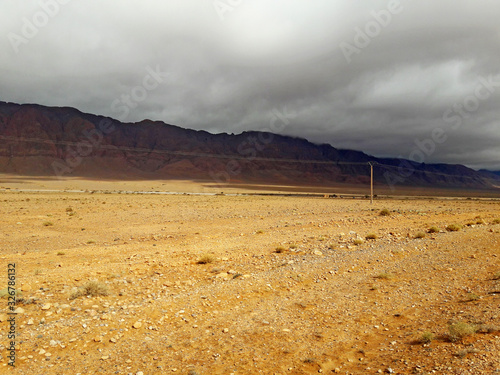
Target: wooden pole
371,183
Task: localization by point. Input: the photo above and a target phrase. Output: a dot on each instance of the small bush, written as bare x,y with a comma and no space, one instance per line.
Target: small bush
457,331
206,259
420,235
480,222
496,221
91,288
48,224
384,212
384,276
292,246
371,236
358,242
453,228
61,253
496,275
426,337
4,293
433,230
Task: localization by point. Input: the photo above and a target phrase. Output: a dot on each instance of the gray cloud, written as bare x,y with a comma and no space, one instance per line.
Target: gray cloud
227,72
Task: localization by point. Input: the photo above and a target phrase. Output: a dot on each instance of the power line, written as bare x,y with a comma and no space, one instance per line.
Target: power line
421,171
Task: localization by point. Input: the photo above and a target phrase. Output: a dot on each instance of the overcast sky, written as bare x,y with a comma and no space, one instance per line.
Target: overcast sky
376,76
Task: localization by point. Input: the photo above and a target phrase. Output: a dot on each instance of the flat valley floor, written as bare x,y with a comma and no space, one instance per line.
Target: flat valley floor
231,284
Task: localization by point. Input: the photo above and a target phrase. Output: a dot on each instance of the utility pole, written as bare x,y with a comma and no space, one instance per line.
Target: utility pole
371,182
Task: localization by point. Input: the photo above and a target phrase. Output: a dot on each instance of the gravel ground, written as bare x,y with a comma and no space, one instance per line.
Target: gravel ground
292,285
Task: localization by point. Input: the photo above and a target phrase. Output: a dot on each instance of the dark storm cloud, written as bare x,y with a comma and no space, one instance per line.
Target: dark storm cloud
378,76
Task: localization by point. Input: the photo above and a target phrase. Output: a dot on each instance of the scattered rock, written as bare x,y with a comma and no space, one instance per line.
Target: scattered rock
46,306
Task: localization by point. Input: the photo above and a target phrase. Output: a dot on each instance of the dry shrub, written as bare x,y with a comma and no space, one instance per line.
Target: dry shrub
453,228
426,337
206,259
459,330
384,212
91,288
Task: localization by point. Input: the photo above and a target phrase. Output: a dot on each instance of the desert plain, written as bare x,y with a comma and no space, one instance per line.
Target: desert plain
115,282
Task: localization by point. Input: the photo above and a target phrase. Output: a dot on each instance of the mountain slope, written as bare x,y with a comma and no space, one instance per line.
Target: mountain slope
38,140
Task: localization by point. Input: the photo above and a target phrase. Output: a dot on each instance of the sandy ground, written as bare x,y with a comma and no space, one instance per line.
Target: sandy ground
291,284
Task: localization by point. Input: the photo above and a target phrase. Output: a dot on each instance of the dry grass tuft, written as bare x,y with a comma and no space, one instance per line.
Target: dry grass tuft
384,276
433,230
206,259
4,293
371,236
91,288
384,212
420,235
459,330
453,228
426,337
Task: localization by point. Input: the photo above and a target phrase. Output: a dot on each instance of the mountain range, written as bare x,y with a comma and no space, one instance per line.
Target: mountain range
62,141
